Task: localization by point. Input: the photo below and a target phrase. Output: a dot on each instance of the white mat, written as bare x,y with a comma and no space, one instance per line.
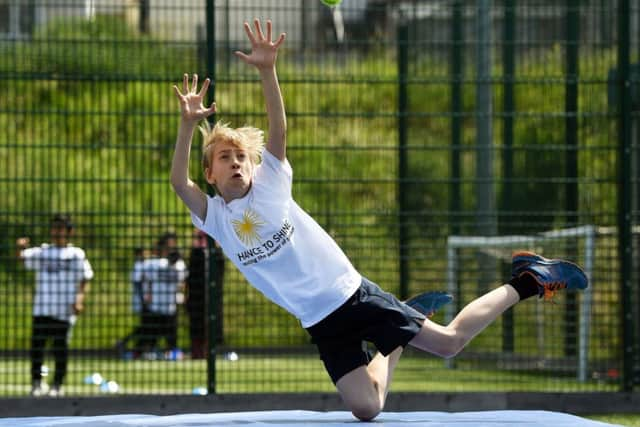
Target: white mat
310,418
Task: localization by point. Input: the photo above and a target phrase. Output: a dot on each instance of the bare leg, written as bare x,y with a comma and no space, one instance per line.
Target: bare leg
364,390
381,371
447,341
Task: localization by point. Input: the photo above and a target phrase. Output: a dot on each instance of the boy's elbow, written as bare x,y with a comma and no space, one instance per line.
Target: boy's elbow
176,183
180,187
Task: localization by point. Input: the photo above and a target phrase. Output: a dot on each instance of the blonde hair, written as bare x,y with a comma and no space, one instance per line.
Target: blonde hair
247,138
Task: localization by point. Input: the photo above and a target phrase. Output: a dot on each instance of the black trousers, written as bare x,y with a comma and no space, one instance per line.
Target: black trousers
156,326
44,329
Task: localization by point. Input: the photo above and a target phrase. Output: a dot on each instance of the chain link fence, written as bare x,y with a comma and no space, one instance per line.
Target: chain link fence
412,125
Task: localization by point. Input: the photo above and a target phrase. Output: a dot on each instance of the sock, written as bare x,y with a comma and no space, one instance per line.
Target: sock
525,285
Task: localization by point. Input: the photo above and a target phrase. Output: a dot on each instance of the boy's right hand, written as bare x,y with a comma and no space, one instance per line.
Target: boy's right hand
191,102
22,243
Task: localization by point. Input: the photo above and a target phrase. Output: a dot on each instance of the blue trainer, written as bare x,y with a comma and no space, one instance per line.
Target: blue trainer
428,303
551,275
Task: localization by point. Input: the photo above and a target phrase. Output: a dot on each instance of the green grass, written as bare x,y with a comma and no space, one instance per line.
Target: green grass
299,373
629,420
259,373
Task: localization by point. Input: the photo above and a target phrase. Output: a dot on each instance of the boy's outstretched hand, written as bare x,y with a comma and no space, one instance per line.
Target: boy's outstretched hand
263,51
191,102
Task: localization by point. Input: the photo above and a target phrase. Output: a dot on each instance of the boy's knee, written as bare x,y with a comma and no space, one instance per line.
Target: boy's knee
453,346
366,412
367,407
450,353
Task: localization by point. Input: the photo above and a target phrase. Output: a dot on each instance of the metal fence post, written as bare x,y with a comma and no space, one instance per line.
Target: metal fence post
403,235
509,70
212,294
571,156
625,253
485,176
457,76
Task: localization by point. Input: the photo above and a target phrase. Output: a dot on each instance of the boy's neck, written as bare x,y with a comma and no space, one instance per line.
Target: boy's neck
230,198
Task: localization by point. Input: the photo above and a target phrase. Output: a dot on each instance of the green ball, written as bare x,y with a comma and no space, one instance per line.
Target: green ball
331,3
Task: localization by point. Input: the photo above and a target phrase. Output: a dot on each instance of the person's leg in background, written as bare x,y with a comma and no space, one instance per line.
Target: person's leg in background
60,332
39,336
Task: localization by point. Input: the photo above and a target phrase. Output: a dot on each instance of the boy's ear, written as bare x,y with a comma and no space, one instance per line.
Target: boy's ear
208,175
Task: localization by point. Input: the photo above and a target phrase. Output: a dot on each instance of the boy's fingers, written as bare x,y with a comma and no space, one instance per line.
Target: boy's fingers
269,32
194,83
256,22
280,40
247,29
185,83
180,97
241,55
205,86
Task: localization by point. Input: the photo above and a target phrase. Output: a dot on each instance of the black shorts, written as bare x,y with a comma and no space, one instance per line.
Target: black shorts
371,315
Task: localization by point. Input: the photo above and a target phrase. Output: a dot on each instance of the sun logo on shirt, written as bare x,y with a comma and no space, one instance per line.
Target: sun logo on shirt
247,228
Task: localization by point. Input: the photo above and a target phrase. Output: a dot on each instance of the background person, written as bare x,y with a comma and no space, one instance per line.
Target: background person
138,304
62,276
197,300
163,276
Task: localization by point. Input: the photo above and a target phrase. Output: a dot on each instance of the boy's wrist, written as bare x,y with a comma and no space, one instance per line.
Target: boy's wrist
268,71
189,122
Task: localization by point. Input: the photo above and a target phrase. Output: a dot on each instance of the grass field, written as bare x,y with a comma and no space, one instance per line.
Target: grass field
296,373
276,373
629,420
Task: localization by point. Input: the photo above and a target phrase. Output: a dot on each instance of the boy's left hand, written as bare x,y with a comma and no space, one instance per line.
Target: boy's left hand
263,51
77,307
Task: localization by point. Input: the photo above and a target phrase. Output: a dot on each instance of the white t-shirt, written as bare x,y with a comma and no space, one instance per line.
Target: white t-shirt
137,288
164,280
59,271
279,248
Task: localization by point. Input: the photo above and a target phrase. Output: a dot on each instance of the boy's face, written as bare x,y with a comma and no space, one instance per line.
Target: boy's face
59,234
171,245
230,171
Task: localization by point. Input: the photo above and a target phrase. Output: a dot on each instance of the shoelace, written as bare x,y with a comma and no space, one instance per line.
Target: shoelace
550,290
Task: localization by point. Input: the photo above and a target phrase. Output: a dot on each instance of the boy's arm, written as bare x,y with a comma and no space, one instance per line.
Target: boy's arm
78,306
192,111
83,286
263,56
277,142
